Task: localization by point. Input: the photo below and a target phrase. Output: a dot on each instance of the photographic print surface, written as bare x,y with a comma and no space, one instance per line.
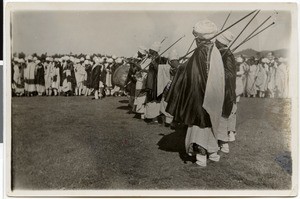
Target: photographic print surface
150,99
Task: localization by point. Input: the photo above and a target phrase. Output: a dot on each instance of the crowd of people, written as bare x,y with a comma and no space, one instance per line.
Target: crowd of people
200,92
263,77
68,75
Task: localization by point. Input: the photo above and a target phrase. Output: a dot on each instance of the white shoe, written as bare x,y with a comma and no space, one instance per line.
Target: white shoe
225,148
231,136
214,157
201,160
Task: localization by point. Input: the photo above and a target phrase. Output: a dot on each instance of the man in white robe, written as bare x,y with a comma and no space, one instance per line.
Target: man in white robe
281,78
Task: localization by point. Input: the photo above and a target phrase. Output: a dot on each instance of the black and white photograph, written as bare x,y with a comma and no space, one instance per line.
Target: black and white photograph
151,99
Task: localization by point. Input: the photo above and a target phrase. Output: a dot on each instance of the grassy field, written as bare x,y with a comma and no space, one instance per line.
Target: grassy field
79,143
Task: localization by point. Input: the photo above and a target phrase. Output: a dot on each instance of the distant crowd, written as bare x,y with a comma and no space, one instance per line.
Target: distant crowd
71,75
264,77
66,75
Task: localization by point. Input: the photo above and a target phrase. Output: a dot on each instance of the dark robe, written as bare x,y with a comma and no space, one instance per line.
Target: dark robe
95,76
73,78
186,95
230,79
151,82
61,74
57,65
88,69
40,75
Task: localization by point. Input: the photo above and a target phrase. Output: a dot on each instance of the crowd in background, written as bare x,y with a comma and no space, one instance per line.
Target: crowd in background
263,77
64,75
72,75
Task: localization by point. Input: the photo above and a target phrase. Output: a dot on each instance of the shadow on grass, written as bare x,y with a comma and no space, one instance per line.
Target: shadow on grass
123,108
175,142
124,101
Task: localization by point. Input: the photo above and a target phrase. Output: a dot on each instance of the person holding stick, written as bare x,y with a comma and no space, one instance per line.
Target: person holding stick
153,99
196,95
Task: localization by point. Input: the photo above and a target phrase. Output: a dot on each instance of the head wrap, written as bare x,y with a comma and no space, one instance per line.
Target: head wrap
142,50
239,59
110,60
119,60
265,60
29,57
205,29
225,38
156,46
86,62
173,55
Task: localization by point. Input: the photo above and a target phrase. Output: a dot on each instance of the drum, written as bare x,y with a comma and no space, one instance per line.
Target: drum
120,75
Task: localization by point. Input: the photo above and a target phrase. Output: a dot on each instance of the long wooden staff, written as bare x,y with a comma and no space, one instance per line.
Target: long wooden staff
226,20
163,40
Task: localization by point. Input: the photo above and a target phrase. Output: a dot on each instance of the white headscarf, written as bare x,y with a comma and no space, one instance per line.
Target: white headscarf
205,29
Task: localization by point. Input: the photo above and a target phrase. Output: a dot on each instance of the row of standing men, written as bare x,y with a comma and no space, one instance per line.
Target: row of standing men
264,77
200,93
67,75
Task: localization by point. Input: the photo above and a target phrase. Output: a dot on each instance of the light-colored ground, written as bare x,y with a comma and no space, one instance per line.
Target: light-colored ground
79,143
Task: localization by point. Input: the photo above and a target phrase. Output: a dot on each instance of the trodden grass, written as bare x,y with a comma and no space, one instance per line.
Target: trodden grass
79,143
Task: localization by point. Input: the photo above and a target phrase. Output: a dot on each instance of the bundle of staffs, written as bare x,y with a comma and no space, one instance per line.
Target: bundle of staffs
248,37
238,21
135,60
241,32
153,59
246,40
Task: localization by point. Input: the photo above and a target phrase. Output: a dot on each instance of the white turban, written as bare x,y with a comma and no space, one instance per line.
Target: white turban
110,60
142,50
21,61
239,60
114,57
88,57
205,29
265,60
29,57
119,60
225,38
156,46
86,62
173,55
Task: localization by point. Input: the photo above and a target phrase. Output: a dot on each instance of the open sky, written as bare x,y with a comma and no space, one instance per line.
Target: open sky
121,32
